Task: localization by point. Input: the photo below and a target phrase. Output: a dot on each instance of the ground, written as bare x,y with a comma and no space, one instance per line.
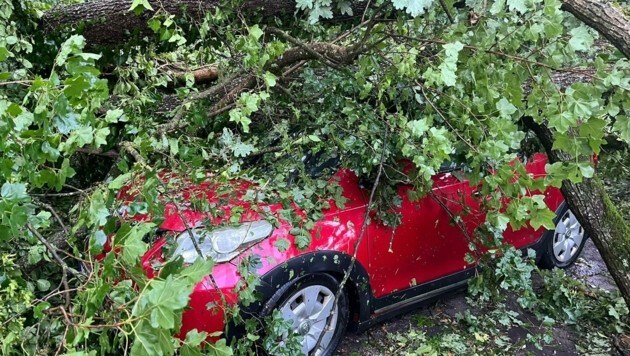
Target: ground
382,340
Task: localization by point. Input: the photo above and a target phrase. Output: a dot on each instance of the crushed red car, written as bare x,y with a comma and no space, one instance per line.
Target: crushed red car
394,271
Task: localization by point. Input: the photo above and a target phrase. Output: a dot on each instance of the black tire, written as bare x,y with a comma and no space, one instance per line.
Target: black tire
550,258
292,288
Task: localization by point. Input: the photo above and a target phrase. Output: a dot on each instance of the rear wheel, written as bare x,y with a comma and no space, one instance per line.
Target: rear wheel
310,305
563,245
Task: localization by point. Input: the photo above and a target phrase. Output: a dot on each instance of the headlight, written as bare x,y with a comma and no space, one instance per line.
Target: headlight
222,244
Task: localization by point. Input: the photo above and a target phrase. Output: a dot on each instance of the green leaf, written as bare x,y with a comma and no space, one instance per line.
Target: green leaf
220,348
319,11
196,272
100,137
23,120
505,108
581,39
412,7
418,127
119,181
83,136
582,100
194,340
302,240
622,126
137,6
97,241
563,121
4,54
282,244
43,285
517,5
497,7
113,116
543,217
499,220
14,192
38,311
164,299
270,79
66,123
241,149
74,44
345,8
448,67
150,341
304,4
133,246
255,32
587,170
98,212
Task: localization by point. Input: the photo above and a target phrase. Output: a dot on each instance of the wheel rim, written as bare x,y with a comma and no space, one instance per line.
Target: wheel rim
309,309
567,237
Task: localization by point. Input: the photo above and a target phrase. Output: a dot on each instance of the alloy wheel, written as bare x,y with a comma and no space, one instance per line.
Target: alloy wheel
567,237
314,314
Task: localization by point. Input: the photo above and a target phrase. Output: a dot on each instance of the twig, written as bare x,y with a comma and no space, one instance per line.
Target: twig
21,82
448,13
366,217
53,252
54,213
129,148
446,120
56,195
304,46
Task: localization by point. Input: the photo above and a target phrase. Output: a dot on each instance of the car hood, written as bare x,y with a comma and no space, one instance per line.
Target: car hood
189,204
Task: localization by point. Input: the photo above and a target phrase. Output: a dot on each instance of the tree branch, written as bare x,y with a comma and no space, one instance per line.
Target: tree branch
605,18
109,22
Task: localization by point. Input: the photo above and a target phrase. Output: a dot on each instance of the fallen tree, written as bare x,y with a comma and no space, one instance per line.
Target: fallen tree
590,202
218,86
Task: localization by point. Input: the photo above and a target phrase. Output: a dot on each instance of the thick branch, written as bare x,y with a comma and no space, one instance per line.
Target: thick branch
605,19
226,92
595,212
107,22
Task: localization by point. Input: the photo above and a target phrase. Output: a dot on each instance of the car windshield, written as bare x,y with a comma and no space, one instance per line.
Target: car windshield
317,164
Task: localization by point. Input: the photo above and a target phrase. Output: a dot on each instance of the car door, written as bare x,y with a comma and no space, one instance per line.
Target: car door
527,236
430,242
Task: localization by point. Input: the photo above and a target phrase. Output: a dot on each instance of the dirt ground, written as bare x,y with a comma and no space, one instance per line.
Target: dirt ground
378,341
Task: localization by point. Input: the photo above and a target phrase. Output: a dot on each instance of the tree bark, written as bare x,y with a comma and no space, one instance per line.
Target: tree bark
596,213
605,19
109,22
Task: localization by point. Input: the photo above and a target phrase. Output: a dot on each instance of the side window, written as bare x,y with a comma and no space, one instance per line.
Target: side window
530,146
450,166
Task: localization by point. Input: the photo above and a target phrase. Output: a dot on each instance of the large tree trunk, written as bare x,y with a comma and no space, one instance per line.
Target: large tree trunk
588,200
593,208
108,22
605,19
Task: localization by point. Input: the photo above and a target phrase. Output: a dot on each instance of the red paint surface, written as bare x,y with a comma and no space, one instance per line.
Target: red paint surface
427,245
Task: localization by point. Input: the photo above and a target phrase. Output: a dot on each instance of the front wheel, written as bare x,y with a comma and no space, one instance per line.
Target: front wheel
562,246
310,306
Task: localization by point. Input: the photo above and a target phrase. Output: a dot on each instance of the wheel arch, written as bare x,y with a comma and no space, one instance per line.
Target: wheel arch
333,263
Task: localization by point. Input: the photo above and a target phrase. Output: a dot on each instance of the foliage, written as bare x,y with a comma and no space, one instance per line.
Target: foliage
419,87
510,313
16,298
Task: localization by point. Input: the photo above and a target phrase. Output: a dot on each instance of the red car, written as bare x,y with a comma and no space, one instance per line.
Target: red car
395,269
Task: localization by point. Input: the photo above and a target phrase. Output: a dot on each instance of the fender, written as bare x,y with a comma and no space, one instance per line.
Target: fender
331,262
